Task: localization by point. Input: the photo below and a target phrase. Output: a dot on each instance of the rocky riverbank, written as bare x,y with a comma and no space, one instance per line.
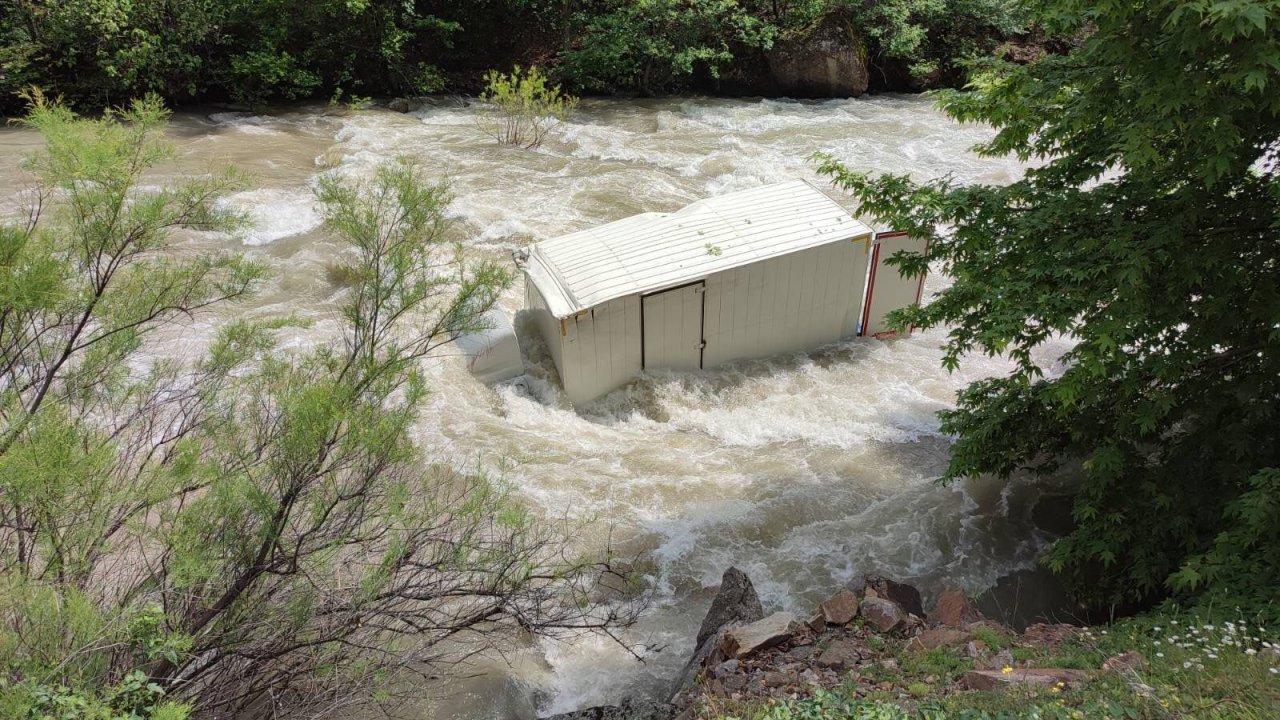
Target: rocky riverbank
871,639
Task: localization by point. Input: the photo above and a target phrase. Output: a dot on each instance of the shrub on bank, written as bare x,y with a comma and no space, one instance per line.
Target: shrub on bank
243,530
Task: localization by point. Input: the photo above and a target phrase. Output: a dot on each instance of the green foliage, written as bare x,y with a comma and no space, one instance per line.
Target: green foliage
658,45
931,40
1147,233
1243,557
940,662
134,698
522,107
250,523
664,45
96,52
991,637
99,52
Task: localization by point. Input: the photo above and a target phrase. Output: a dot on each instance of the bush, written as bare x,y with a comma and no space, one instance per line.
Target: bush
251,533
659,45
522,108
1155,252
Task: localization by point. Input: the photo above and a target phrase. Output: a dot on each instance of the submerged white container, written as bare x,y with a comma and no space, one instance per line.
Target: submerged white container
772,270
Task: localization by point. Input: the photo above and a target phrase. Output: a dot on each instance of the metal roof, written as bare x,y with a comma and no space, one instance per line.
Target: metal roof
651,251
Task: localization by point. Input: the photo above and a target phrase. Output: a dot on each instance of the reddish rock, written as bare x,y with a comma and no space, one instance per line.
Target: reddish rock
954,609
1048,636
747,640
816,622
840,609
884,615
937,637
1039,677
906,596
840,655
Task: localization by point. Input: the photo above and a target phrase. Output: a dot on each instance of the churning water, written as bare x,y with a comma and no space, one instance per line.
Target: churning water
803,470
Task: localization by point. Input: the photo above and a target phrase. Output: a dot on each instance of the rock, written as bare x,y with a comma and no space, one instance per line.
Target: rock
1048,636
975,649
736,603
931,638
1041,677
803,652
884,615
839,609
1000,660
628,709
907,597
775,679
728,667
954,609
840,655
830,60
746,640
1144,690
816,622
400,105
1124,662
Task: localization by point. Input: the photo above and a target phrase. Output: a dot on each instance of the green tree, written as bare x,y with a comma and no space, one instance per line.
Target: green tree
1147,231
658,45
251,532
522,108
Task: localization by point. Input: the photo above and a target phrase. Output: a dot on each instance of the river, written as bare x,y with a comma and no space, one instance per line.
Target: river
802,470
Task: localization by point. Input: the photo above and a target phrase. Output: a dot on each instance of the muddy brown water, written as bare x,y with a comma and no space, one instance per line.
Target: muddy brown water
802,470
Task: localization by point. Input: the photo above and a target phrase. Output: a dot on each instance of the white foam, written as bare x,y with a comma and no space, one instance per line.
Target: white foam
275,213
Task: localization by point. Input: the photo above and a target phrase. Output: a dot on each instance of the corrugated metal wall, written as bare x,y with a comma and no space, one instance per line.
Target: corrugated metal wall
785,304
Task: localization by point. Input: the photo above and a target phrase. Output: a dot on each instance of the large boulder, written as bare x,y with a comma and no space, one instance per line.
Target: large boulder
906,596
736,603
884,615
743,641
839,609
827,60
954,609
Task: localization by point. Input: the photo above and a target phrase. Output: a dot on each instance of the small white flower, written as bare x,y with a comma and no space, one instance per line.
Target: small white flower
1275,671
1186,664
1250,651
1173,622
1213,656
1159,654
